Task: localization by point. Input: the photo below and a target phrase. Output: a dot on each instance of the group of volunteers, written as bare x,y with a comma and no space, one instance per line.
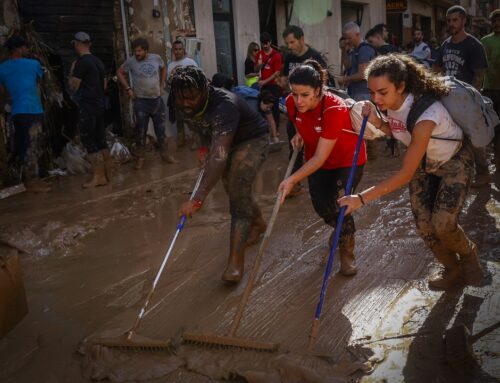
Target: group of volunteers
438,164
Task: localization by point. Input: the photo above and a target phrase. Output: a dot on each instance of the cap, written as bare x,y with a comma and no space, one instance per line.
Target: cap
14,42
82,37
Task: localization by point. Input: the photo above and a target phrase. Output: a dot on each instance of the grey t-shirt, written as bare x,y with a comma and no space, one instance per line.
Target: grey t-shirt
145,75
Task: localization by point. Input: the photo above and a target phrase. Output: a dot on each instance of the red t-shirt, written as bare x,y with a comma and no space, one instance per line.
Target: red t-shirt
273,64
335,124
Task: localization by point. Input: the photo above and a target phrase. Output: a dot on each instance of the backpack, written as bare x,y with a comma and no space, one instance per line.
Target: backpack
250,95
470,110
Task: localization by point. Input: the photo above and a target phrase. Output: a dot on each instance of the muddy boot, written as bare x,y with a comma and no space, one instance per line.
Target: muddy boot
472,271
236,262
346,252
449,277
37,186
108,164
99,176
165,152
258,228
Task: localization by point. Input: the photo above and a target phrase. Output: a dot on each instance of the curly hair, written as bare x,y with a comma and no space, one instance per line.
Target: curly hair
403,69
188,77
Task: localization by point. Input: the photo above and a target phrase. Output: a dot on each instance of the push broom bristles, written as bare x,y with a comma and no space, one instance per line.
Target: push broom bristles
228,342
136,343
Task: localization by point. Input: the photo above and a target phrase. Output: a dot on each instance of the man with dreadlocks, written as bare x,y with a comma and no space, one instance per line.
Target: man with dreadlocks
235,140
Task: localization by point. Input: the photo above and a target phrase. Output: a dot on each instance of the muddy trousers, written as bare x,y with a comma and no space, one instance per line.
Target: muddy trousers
144,109
325,187
242,166
436,202
27,136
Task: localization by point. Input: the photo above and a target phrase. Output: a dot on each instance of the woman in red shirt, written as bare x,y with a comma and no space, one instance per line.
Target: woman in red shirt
324,129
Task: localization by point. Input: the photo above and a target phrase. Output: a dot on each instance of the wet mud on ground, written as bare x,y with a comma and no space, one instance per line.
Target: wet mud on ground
93,254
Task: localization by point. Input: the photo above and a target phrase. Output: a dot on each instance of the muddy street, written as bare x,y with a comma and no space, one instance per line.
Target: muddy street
92,254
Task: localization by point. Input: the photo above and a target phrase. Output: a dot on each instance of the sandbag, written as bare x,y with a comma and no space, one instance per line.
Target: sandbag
13,304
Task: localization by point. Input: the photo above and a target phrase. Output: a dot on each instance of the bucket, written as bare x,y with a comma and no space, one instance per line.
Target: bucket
13,304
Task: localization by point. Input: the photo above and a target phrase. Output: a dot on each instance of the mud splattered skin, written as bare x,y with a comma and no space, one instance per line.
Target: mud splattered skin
437,200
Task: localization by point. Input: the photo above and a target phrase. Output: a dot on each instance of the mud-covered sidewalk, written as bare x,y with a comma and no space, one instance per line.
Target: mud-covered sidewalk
93,254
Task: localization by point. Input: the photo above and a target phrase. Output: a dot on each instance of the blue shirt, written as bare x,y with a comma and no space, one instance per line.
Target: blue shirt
363,54
20,78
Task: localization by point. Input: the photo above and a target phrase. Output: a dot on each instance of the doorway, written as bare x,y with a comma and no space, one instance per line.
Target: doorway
224,37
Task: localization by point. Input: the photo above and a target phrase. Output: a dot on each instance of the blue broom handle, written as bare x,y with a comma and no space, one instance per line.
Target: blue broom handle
340,219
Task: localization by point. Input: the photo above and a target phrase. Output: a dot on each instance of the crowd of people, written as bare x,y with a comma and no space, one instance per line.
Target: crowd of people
233,136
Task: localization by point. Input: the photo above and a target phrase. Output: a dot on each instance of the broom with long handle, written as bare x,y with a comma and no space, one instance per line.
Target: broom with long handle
130,340
316,321
231,340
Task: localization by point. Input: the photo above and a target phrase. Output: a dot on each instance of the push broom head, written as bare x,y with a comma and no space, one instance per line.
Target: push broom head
135,343
224,341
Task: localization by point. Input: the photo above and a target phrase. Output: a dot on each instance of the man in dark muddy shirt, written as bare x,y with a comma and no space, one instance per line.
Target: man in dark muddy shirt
234,144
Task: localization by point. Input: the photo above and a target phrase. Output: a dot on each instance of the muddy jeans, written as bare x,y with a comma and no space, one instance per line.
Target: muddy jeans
437,200
328,185
27,136
242,167
144,109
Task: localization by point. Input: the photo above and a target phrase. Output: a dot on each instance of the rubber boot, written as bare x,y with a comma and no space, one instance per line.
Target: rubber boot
472,271
258,228
169,148
236,261
108,164
37,186
99,176
346,252
449,277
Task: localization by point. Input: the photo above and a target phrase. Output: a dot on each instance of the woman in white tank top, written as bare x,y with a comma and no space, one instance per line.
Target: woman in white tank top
438,164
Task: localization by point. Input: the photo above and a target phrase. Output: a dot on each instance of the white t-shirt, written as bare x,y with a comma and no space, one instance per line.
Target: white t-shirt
184,62
421,51
438,151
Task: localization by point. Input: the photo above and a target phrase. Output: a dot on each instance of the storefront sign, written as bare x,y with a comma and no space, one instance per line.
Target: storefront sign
396,5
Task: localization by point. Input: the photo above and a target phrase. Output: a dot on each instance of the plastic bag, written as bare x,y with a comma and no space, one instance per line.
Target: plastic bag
120,152
74,159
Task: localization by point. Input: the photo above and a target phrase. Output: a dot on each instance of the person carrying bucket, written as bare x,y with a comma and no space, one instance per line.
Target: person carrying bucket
235,143
438,164
324,130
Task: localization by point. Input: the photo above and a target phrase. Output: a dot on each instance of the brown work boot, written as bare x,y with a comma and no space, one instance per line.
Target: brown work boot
481,180
108,164
236,261
346,252
472,271
37,186
447,278
99,176
258,228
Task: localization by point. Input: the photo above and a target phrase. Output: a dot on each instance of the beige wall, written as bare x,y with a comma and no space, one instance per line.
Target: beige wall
246,28
205,31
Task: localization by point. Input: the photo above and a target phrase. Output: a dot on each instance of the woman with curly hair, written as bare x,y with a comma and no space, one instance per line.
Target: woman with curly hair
438,164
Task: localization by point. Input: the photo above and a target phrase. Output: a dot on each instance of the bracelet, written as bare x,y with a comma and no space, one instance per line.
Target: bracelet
197,203
361,199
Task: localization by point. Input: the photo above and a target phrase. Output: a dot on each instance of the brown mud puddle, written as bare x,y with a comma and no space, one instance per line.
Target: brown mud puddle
94,253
